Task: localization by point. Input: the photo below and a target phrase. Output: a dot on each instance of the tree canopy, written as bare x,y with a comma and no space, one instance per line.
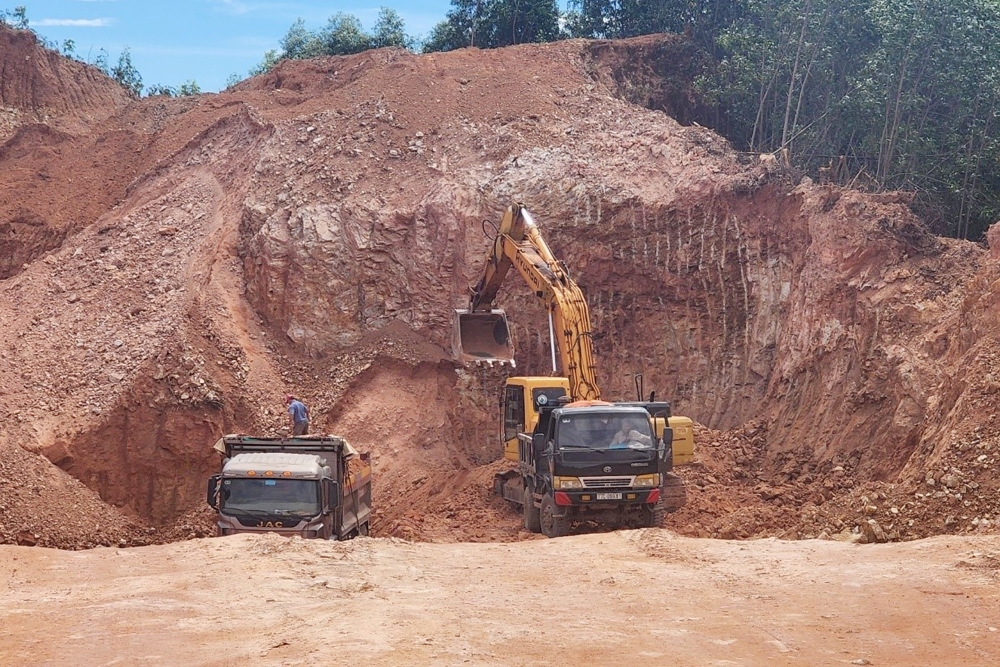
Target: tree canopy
342,35
882,94
493,23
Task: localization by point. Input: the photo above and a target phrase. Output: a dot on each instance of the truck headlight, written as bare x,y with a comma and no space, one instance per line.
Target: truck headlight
568,483
648,480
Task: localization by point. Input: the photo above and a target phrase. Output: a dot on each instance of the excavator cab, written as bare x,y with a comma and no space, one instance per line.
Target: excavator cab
482,336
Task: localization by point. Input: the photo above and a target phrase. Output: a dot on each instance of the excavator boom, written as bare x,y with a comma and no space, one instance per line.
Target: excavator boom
482,330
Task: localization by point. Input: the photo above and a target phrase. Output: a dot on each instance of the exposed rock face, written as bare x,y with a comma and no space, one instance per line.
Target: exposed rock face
735,298
326,274
313,230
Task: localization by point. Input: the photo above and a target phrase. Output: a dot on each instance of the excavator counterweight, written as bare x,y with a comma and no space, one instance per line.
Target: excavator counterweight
482,337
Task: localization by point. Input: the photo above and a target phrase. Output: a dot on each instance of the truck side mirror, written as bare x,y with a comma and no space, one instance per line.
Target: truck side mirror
666,453
331,494
667,440
213,491
538,444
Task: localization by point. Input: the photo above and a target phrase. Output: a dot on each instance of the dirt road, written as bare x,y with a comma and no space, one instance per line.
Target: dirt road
592,599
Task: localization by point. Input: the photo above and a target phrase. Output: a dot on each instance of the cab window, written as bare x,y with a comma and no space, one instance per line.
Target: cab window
513,418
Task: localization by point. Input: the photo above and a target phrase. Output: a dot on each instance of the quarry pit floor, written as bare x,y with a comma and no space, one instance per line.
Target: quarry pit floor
627,597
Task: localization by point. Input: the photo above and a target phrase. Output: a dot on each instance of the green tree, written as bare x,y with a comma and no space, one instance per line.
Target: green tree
390,30
495,23
613,19
890,94
461,26
125,73
271,58
343,35
189,87
101,61
525,21
299,42
20,16
932,89
159,90
782,73
16,18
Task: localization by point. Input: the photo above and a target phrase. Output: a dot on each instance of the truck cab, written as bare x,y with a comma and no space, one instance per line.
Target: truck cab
306,486
588,460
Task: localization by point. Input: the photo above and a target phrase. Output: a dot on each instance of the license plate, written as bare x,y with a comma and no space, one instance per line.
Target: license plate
609,496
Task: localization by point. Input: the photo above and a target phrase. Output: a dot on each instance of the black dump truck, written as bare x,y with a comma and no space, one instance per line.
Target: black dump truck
310,486
594,461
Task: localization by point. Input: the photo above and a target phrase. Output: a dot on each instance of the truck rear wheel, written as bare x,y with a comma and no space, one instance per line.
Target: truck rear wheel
553,525
532,519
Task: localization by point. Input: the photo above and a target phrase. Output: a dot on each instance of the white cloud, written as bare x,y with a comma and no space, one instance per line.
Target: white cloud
234,6
76,23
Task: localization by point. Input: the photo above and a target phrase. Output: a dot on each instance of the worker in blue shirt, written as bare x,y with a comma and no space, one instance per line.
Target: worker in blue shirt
298,413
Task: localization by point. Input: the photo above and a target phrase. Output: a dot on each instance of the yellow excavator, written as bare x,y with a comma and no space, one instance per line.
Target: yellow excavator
577,458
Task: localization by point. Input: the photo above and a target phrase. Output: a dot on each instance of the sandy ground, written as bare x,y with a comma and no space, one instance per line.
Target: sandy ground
603,599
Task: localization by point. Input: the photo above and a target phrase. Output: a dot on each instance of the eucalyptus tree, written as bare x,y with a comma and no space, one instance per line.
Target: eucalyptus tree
495,23
932,89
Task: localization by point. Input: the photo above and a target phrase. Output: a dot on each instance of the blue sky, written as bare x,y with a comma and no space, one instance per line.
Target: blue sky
204,40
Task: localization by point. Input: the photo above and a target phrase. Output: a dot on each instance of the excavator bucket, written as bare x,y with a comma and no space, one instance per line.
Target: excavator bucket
482,337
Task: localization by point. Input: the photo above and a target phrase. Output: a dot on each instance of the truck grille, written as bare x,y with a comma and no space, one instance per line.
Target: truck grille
606,482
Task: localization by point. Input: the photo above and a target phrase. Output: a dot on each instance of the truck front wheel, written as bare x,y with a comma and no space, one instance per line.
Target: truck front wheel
553,525
532,520
656,515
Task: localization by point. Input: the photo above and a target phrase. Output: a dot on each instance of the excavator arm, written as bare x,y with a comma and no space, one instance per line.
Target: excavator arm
519,244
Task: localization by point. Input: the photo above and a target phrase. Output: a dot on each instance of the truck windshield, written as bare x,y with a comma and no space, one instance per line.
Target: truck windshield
272,496
604,431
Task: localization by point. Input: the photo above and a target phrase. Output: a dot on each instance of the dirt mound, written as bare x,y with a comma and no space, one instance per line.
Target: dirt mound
53,175
40,506
40,85
185,263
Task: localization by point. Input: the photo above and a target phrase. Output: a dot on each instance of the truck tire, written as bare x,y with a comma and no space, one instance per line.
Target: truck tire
553,525
657,515
532,518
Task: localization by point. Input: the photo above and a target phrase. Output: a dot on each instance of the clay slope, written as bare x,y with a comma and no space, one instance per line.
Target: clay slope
39,85
49,105
312,230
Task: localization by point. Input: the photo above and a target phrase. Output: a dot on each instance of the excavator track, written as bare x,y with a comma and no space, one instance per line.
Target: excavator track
673,494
